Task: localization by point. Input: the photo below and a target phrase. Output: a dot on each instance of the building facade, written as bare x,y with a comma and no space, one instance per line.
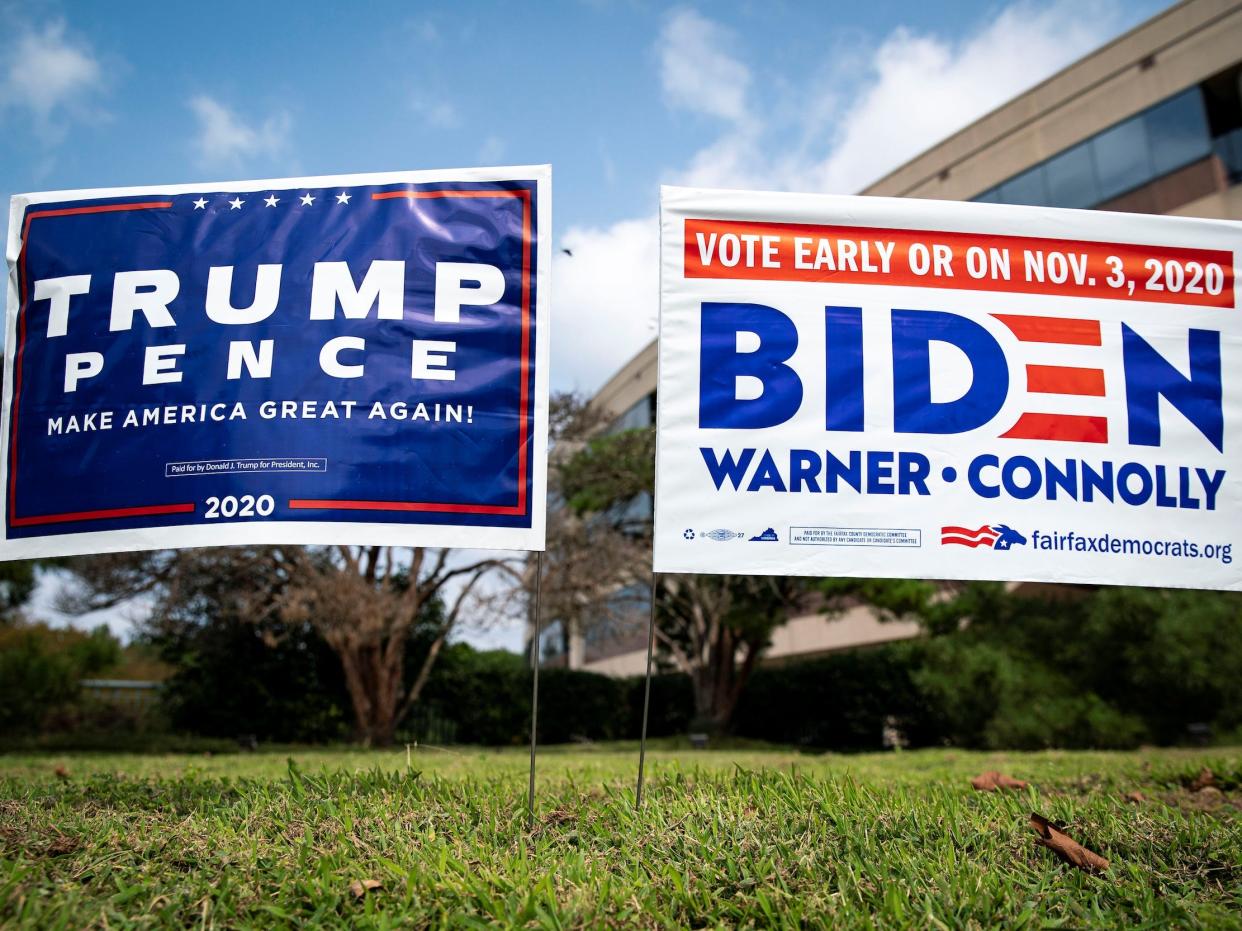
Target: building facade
1149,123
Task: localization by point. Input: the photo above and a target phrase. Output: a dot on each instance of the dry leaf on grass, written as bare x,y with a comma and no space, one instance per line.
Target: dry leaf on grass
558,816
1204,780
360,887
992,780
1065,846
62,845
1135,797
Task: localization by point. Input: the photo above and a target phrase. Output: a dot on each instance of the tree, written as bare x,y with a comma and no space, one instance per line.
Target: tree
365,602
235,674
712,628
707,621
590,584
591,566
17,584
1069,665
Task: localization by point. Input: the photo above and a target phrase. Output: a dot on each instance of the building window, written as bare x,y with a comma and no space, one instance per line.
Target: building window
1026,188
1163,138
1122,158
1177,131
551,642
1229,150
1222,97
639,416
1070,177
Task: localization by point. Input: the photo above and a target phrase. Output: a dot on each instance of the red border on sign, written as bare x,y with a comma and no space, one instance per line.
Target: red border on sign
15,521
141,511
516,510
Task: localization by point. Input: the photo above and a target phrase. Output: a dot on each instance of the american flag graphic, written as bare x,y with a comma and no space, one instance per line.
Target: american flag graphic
982,536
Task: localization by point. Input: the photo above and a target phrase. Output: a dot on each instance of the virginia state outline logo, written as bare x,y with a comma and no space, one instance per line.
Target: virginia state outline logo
993,536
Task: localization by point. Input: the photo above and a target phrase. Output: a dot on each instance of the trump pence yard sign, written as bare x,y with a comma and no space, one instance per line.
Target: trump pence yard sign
874,387
355,359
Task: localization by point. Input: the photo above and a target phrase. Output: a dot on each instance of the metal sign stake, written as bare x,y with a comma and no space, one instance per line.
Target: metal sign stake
534,693
642,740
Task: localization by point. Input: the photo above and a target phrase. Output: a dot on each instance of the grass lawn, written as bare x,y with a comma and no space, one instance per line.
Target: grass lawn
746,837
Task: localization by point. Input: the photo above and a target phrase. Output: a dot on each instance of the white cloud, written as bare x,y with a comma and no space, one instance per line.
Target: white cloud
922,88
850,126
435,111
50,75
225,139
697,70
604,300
732,161
914,90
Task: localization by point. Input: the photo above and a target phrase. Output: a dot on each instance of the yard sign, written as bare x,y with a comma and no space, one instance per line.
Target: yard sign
352,359
857,386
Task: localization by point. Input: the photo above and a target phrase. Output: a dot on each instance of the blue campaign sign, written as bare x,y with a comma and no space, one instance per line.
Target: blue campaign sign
357,359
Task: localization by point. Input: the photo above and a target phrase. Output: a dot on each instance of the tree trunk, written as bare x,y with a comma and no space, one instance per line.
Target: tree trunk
718,683
709,713
424,673
374,689
369,631
359,700
703,680
576,645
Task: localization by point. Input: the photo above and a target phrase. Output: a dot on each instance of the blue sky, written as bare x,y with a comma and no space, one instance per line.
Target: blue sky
320,88
617,96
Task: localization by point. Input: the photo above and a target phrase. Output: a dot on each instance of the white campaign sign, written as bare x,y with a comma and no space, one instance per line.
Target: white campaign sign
857,386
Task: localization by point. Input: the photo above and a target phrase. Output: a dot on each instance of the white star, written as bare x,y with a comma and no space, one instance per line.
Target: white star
307,200
271,200
200,204
342,198
236,203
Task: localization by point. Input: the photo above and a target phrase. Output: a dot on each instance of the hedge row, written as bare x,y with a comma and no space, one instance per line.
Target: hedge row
1114,668
484,698
841,702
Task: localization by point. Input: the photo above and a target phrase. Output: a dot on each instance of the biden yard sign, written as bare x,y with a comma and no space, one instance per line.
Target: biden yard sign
355,359
906,388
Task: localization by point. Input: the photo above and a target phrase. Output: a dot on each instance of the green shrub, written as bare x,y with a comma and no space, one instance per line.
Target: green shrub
576,705
838,702
672,705
486,694
40,667
236,679
1089,667
984,696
